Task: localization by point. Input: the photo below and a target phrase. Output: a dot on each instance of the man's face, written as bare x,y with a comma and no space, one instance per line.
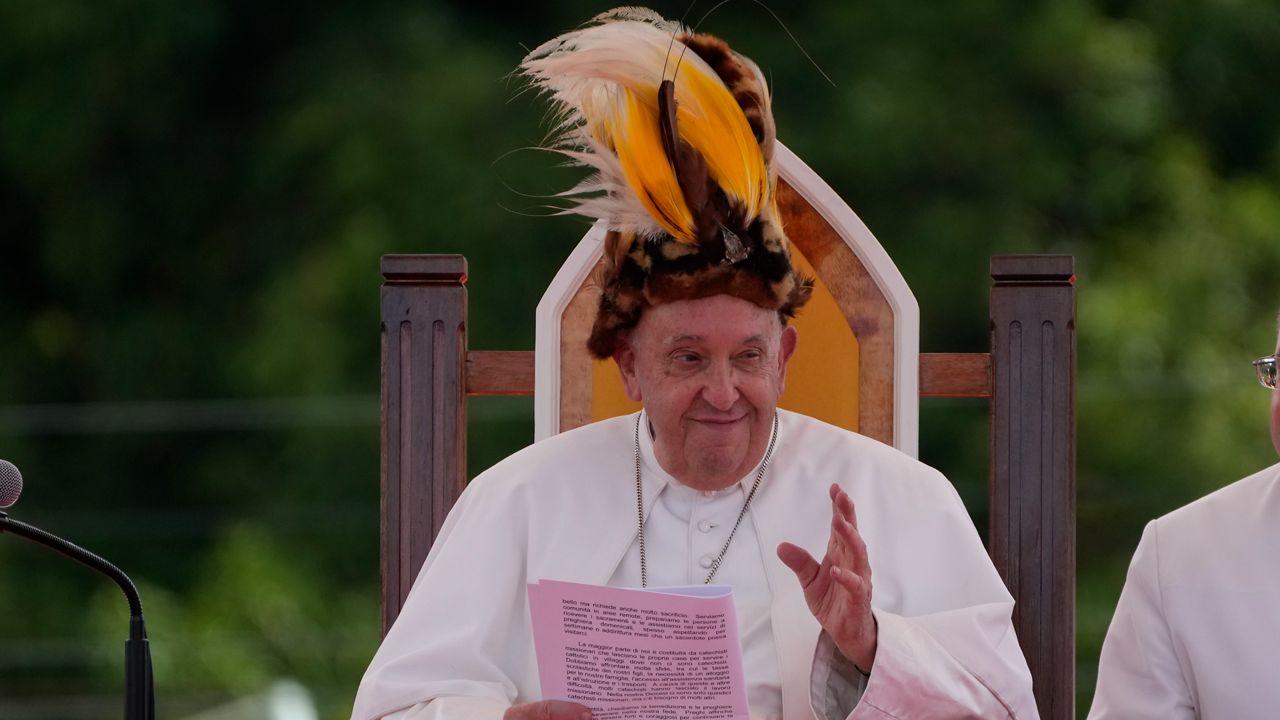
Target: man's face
1275,412
709,373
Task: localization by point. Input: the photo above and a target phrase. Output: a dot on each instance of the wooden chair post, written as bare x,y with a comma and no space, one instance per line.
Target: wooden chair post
1033,490
424,420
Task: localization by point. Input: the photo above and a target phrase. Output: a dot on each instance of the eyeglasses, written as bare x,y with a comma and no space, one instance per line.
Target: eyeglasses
1266,369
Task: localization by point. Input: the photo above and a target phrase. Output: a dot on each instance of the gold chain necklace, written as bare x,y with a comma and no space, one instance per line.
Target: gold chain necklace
715,565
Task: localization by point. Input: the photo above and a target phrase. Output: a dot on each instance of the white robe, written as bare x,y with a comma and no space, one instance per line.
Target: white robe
565,509
1196,633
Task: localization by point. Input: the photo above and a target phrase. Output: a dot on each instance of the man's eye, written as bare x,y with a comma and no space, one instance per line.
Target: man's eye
686,360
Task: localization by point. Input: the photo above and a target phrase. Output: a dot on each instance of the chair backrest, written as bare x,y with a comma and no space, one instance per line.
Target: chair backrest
857,365
1029,375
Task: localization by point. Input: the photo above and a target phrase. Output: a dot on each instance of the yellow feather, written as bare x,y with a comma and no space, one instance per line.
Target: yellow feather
713,123
625,118
638,142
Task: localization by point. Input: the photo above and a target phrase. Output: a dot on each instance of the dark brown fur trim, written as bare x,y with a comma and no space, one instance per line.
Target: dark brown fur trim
630,289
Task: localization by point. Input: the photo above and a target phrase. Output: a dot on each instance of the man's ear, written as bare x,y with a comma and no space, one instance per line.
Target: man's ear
786,348
625,357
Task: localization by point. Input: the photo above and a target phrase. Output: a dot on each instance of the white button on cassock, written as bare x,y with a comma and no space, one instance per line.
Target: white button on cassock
705,561
706,526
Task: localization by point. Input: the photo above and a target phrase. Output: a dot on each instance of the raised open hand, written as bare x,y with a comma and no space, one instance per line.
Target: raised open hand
838,590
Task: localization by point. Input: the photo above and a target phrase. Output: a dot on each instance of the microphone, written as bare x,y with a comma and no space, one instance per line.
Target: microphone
139,690
10,484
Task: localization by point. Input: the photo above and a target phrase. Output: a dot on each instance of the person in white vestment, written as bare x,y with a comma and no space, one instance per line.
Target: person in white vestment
861,586
1196,633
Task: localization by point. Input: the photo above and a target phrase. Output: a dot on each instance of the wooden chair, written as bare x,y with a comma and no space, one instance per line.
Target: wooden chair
858,366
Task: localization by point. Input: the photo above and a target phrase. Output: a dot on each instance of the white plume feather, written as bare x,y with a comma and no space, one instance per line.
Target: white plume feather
585,72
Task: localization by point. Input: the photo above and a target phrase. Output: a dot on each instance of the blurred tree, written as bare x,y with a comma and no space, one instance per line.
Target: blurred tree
194,197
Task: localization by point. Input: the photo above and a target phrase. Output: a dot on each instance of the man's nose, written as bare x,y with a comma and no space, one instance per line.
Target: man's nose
721,389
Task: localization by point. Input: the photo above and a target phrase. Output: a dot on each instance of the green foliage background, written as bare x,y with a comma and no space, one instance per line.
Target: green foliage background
194,197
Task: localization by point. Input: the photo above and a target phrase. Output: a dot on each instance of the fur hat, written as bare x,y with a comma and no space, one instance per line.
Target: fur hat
679,131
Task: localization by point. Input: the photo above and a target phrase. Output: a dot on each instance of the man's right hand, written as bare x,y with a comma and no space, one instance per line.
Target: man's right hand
548,710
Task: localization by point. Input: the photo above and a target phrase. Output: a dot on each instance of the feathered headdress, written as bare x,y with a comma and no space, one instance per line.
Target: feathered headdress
679,131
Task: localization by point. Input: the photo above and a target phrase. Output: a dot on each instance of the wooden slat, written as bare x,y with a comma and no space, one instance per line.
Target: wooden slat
576,388
1033,452
500,372
955,375
424,415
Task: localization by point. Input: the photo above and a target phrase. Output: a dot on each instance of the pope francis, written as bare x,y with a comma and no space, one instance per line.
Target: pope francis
862,588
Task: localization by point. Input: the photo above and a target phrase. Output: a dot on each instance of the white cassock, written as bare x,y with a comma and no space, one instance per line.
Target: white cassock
1196,633
565,509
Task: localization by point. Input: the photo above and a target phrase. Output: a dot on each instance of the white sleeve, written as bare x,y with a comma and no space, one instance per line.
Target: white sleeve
460,644
454,708
963,663
1139,675
945,643
956,664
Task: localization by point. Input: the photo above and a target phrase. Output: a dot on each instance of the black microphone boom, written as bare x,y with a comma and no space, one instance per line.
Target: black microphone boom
139,698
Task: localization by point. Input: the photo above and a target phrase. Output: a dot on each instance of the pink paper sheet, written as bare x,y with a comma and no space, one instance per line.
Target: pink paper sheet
658,654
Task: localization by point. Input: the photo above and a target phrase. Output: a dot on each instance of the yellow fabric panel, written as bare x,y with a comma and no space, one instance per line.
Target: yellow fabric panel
608,396
822,380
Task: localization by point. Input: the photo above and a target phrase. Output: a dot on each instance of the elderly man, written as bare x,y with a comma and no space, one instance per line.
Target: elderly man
1196,633
710,481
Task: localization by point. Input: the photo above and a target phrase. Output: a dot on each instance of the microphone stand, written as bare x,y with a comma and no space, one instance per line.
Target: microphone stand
139,691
